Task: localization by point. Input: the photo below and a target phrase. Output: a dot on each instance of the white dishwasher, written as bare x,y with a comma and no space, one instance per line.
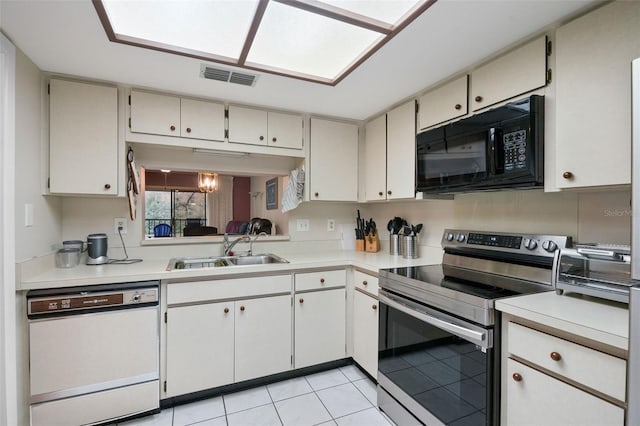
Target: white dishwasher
93,353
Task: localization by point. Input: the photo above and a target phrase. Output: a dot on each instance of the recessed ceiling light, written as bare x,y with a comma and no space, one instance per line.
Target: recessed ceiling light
320,41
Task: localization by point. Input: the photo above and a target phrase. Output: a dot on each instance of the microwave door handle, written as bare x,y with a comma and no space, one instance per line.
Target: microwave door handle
496,156
479,338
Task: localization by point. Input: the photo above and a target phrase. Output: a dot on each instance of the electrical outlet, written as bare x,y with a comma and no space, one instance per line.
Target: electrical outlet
120,222
302,225
331,225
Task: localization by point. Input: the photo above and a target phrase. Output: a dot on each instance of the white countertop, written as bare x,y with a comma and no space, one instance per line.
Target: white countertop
154,269
589,317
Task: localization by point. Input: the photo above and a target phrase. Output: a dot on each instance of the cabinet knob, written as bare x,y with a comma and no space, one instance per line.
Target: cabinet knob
172,128
478,98
321,280
364,283
274,139
374,307
301,300
517,377
107,186
380,193
261,138
555,356
188,129
389,192
242,308
458,107
316,194
567,175
226,310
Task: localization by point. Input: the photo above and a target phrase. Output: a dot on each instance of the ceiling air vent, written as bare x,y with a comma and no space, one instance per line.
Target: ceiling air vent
227,76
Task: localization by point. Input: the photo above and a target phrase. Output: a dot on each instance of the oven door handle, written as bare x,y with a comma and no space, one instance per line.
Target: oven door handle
480,338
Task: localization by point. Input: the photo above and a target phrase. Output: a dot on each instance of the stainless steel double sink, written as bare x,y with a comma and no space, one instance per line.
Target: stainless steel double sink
223,261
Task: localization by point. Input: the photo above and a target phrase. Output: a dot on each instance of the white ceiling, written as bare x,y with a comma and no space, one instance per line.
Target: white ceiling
66,37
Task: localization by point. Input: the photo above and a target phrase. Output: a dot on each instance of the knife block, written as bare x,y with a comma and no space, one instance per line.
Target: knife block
372,243
359,245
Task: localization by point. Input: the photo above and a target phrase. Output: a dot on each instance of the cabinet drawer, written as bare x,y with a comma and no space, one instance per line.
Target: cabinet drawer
200,291
536,399
323,279
597,370
366,282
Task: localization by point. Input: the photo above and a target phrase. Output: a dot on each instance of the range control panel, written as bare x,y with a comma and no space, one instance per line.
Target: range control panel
500,241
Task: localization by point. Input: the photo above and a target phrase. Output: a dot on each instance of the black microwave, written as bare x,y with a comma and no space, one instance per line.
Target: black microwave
499,148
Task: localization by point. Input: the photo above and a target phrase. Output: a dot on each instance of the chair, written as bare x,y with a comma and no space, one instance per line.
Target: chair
236,227
162,230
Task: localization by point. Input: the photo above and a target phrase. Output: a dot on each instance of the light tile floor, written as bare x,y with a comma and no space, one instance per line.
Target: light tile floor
343,396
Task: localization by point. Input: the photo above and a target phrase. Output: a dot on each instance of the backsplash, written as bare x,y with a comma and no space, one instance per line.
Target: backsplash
603,216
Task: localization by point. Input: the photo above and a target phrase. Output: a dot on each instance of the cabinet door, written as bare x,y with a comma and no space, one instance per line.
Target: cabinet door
263,336
285,130
519,71
155,114
593,96
333,163
320,325
365,332
83,138
443,104
376,159
401,151
200,348
201,120
247,125
540,400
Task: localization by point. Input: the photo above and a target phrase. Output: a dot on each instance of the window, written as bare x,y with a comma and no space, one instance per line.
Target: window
175,208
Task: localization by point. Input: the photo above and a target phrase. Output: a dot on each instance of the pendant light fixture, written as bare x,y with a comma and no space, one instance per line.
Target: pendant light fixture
207,182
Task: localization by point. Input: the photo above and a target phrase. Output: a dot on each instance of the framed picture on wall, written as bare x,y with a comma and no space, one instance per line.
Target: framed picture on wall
272,193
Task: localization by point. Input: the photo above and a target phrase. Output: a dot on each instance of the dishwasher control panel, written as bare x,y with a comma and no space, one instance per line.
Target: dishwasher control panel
89,299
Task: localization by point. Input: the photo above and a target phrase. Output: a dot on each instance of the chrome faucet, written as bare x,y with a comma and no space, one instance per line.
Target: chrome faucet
228,246
253,241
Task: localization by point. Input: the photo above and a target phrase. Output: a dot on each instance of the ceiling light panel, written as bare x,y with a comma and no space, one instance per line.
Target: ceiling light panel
216,27
389,11
301,42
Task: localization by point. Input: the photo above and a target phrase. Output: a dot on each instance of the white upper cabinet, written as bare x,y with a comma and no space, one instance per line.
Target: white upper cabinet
519,71
390,150
155,113
83,138
201,119
443,104
593,96
333,162
376,159
401,151
268,128
168,115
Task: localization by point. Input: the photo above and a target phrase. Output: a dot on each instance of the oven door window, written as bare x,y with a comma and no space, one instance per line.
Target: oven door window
445,374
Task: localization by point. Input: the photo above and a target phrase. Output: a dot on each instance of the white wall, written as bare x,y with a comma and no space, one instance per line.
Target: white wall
30,130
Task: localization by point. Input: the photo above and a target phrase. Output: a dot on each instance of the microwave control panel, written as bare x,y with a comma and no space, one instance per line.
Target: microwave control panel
515,150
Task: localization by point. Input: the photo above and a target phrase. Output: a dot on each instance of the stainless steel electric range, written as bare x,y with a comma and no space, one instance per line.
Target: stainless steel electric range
439,334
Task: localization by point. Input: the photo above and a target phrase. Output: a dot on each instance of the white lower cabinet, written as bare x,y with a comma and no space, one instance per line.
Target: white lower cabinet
365,332
263,336
549,380
200,348
537,399
213,343
320,326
